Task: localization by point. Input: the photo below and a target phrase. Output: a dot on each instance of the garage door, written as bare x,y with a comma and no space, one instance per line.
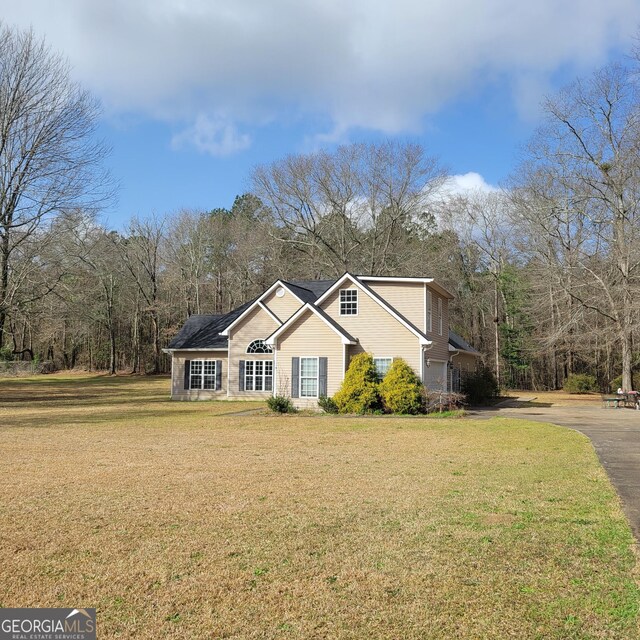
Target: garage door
435,375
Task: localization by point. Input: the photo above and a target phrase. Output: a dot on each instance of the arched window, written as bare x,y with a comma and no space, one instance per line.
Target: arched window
259,346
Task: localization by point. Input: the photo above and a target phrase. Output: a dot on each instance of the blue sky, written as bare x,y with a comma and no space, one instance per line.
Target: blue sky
197,92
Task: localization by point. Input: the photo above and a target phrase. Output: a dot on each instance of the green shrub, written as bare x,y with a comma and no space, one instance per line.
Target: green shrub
280,404
328,405
616,383
401,390
580,383
479,386
359,390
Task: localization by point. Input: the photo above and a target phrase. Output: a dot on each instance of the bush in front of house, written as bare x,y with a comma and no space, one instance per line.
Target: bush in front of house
401,390
616,383
328,405
580,383
280,404
359,390
480,386
443,401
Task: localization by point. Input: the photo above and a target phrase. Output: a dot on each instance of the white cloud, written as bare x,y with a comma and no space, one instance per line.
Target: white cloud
465,183
215,136
377,65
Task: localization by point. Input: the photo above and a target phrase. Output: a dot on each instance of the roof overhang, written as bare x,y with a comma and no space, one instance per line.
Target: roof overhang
199,349
345,339
362,287
471,353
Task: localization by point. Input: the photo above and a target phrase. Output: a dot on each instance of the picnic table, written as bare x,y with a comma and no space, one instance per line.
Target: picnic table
624,399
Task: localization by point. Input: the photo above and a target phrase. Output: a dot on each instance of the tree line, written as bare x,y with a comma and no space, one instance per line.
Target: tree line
545,270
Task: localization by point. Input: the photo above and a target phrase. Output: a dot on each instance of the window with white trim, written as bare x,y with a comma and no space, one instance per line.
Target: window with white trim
258,375
259,346
382,366
429,317
348,302
202,374
309,371
440,316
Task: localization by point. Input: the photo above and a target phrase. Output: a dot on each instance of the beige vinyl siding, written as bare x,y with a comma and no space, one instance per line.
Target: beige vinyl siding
440,348
377,331
283,307
257,325
309,336
178,391
465,361
406,297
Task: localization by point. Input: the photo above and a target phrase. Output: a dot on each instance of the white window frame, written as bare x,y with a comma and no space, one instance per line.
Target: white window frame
351,290
429,311
202,375
267,348
440,317
316,377
263,377
375,359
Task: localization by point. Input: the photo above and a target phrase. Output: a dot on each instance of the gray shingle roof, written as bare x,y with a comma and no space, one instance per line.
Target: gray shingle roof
315,287
203,332
460,343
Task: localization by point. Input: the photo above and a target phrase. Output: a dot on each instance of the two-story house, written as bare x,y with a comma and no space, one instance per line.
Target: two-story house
297,338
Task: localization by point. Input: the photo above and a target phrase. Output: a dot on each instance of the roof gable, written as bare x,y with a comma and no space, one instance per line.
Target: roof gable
310,307
379,300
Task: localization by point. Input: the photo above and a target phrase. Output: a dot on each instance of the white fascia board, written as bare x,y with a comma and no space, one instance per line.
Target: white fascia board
275,285
271,340
354,279
199,349
265,308
393,279
471,353
437,287
258,302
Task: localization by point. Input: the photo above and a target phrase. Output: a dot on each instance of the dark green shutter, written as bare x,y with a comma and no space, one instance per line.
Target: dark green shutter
241,375
295,377
187,374
322,377
218,375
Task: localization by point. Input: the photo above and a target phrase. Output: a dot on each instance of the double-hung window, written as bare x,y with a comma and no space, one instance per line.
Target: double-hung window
258,375
429,316
382,366
309,377
202,374
348,302
439,316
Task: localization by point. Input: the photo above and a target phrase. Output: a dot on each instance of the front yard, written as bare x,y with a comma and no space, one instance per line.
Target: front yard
184,520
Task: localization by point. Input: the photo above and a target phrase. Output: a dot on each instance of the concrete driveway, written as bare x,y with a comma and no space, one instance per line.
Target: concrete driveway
615,434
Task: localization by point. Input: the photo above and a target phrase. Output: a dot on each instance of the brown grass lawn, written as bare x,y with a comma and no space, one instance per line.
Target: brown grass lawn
182,521
560,398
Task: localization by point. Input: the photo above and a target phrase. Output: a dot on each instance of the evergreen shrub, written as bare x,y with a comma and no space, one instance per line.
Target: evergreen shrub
480,386
280,404
328,405
580,383
401,390
359,390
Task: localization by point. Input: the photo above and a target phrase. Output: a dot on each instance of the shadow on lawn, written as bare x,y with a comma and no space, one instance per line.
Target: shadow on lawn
113,417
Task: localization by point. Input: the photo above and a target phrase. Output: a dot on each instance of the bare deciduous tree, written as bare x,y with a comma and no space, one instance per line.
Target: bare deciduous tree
50,160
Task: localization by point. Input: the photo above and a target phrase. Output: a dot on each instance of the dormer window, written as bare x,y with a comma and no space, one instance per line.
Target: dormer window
348,302
259,346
